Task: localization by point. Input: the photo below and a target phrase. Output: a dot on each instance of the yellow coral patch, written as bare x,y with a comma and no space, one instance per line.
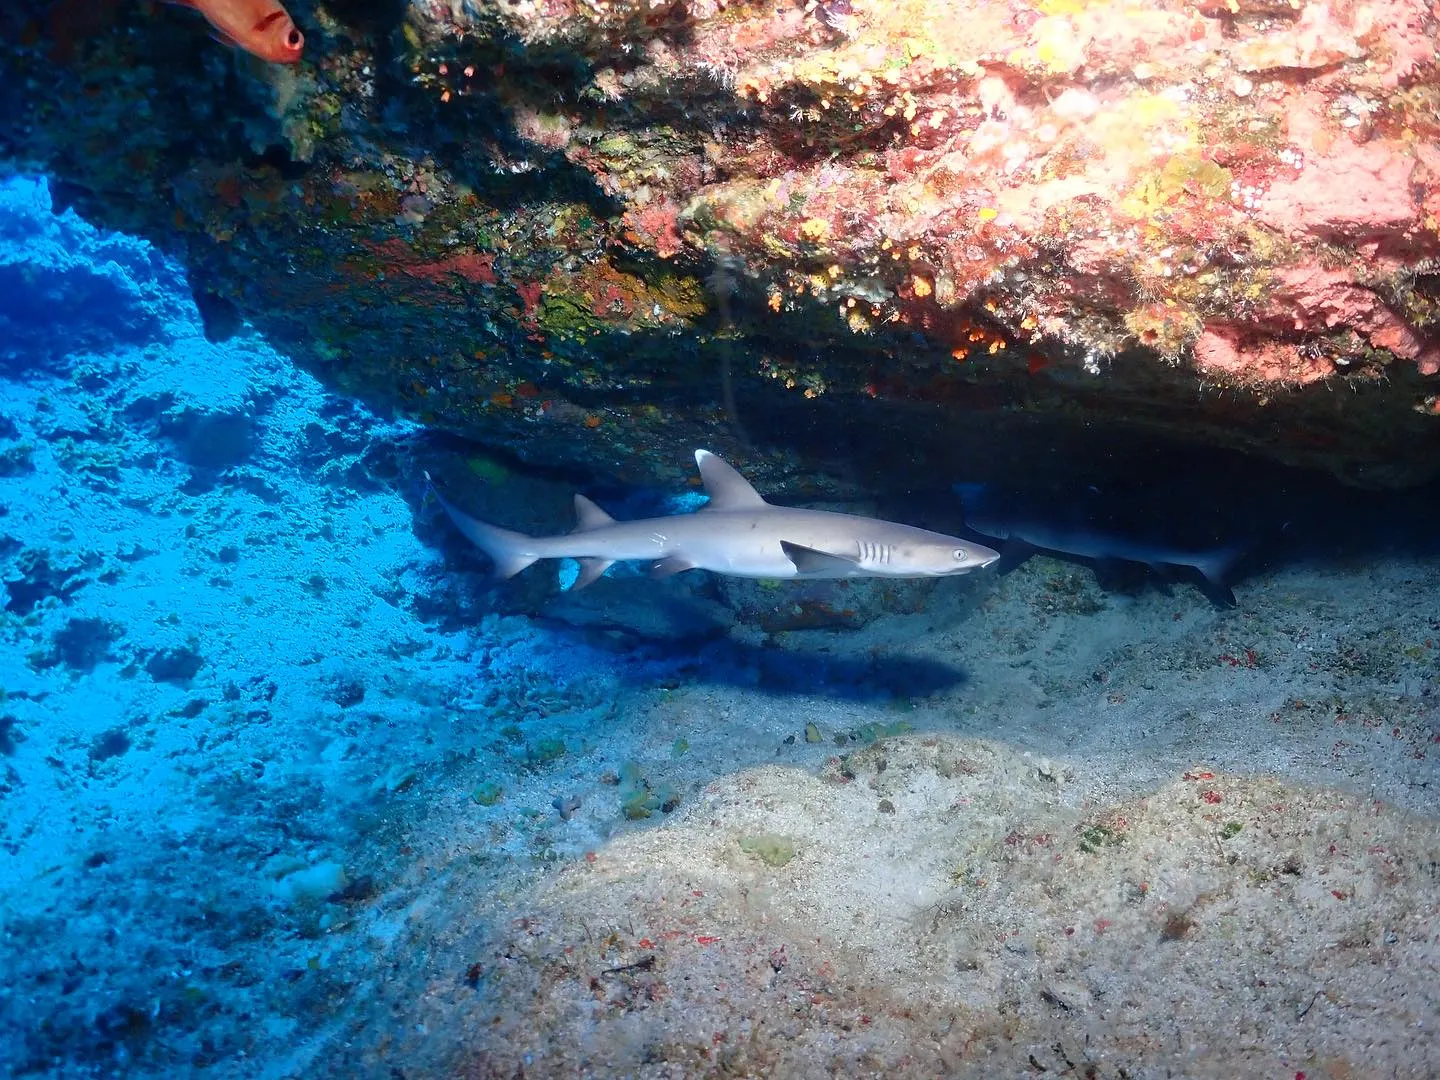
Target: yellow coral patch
1147,110
815,229
1182,174
1059,47
1144,127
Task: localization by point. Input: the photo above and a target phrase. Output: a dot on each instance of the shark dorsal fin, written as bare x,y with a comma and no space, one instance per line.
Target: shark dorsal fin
728,490
589,516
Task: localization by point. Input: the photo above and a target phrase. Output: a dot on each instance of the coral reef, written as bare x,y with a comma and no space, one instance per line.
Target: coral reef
637,226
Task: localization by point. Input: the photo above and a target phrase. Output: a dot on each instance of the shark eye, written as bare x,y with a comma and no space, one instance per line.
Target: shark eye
959,554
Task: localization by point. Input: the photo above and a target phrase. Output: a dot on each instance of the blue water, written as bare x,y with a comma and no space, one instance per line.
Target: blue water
221,652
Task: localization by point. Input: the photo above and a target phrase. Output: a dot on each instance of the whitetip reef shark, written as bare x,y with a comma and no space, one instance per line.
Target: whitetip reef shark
737,533
1090,525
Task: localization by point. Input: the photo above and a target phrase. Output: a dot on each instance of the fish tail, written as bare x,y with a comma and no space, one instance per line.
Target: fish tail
510,552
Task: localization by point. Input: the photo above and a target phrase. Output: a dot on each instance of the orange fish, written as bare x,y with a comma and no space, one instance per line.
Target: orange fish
260,27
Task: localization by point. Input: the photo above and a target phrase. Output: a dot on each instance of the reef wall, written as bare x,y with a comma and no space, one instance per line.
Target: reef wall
872,238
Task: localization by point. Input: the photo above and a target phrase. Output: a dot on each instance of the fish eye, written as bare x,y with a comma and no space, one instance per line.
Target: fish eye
959,554
293,39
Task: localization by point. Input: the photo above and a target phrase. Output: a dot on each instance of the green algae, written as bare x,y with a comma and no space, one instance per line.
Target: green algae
545,750
487,793
1094,838
772,849
487,469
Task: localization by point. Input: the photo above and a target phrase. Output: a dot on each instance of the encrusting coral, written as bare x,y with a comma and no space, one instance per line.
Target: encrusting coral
578,212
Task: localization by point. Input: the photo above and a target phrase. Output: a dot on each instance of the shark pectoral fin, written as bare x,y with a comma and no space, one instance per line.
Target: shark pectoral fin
1216,566
728,490
507,566
589,516
1218,593
590,569
809,561
675,564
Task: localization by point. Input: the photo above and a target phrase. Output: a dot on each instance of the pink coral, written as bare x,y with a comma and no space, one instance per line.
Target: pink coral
1347,190
658,225
1403,43
1223,352
473,266
1315,299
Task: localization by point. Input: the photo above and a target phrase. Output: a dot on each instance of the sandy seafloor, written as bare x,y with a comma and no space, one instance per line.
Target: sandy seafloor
279,771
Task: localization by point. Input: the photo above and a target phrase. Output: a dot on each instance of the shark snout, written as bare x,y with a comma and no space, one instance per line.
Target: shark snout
983,558
968,556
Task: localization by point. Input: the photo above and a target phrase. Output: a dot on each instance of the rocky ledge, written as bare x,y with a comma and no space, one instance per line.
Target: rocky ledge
836,238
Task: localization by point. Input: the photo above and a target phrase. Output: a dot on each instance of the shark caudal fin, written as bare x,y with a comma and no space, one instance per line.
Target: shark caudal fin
506,549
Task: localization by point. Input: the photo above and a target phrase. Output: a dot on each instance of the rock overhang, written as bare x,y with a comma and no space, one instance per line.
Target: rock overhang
622,229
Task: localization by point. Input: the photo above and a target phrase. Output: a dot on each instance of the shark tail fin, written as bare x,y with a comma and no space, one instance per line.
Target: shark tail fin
506,549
